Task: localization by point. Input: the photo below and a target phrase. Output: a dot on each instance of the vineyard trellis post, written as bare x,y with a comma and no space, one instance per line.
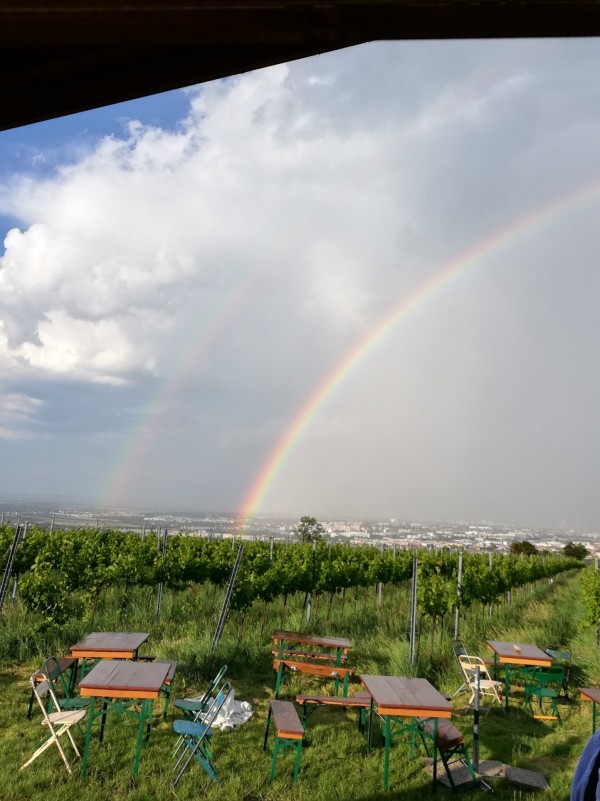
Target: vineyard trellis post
458,592
227,600
9,564
490,563
413,608
476,721
160,587
16,579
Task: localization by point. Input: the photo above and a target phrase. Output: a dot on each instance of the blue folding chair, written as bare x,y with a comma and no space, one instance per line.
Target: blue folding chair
196,735
194,708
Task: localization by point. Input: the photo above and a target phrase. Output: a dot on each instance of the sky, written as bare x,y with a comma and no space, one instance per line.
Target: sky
359,285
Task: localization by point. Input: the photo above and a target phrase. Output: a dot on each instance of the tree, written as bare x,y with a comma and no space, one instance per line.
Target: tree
524,547
309,530
575,550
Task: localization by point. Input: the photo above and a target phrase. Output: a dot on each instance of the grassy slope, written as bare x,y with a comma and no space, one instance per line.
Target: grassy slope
334,763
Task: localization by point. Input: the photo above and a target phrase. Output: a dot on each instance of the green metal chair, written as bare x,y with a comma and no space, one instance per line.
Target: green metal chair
197,735
544,684
561,657
63,687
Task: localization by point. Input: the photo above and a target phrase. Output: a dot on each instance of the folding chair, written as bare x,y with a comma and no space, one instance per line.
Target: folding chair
545,685
58,722
460,649
488,687
192,707
196,736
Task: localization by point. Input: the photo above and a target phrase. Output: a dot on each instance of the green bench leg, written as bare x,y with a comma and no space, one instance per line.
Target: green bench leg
284,743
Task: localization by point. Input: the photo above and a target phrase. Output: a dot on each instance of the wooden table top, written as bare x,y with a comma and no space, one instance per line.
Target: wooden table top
113,678
110,643
313,639
519,653
590,694
409,697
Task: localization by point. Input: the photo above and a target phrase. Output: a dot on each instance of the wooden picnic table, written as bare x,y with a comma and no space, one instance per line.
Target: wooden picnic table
396,699
331,649
516,657
127,687
591,694
108,645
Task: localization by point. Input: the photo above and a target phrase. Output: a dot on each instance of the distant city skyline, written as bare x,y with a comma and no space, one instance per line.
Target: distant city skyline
362,285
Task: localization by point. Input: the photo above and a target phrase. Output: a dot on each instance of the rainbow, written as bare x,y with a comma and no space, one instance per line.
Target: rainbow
402,310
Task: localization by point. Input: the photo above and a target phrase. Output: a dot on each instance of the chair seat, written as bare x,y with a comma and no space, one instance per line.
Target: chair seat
75,703
543,692
191,704
73,716
191,728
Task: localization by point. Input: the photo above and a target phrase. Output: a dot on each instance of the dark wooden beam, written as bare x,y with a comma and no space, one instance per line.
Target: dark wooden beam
62,56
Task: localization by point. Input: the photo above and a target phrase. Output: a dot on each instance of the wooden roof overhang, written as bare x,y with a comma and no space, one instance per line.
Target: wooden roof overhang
58,57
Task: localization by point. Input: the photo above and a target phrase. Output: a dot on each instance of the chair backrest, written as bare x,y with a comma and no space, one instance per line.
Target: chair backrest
40,690
542,677
212,689
459,649
559,653
217,703
468,665
54,672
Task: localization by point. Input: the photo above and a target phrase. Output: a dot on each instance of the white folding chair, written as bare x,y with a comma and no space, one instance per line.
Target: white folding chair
58,722
488,687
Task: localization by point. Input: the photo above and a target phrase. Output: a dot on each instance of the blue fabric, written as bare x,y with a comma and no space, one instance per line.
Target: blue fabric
585,785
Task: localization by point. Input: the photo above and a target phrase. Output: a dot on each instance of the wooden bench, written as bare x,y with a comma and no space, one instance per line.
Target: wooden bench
361,701
64,664
335,672
289,732
310,655
450,746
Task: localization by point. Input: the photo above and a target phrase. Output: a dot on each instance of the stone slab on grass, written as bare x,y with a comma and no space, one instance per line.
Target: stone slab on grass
492,769
527,779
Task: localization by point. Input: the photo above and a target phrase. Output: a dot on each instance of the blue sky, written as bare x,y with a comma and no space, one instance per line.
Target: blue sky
181,273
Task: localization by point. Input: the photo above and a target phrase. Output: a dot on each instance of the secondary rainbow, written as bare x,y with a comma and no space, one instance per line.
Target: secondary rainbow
399,312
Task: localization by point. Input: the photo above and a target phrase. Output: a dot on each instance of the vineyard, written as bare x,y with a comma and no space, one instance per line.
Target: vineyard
66,583
62,574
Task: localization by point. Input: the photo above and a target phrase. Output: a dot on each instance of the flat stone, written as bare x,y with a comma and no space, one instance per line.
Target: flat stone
492,769
528,779
460,774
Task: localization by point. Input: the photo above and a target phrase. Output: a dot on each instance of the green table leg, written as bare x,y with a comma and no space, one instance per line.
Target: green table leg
386,756
593,717
88,737
145,711
435,751
506,686
278,679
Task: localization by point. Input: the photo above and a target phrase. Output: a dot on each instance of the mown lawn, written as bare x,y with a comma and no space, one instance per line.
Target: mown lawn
335,763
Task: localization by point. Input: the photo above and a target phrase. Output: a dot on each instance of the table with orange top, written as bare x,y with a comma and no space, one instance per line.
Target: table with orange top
108,645
516,656
396,699
127,687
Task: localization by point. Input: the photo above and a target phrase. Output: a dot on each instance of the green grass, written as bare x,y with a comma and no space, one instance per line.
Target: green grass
335,763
